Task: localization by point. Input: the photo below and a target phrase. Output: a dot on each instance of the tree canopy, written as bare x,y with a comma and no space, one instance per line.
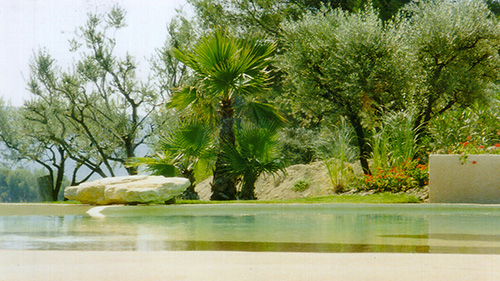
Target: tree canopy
388,70
434,55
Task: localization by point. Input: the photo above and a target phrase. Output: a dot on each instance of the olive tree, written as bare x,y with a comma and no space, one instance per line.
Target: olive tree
29,140
453,49
101,98
266,16
347,64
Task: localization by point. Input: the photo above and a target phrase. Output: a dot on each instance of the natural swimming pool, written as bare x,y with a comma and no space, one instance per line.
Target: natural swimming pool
408,228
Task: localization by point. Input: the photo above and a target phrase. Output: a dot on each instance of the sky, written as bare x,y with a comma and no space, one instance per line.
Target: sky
27,26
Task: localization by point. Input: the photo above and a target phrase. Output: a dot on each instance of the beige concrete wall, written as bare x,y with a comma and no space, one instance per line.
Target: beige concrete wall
477,180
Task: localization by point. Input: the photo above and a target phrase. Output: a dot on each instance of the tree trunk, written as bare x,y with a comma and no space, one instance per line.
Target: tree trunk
422,120
45,187
224,185
59,176
248,189
364,150
129,149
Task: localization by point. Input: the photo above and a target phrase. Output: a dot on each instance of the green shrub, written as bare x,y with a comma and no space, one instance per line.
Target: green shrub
297,145
301,185
477,126
409,175
471,146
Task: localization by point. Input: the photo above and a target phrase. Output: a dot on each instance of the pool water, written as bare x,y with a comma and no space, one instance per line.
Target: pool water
416,228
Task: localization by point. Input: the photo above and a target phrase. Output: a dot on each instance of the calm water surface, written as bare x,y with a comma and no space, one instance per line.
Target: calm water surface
305,228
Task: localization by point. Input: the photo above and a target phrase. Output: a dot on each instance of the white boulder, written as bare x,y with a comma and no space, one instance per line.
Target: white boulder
127,189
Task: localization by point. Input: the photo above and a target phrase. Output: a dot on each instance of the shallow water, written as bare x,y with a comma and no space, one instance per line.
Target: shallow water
301,228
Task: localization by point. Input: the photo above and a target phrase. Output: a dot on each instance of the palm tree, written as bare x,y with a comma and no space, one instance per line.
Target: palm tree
257,152
186,150
229,73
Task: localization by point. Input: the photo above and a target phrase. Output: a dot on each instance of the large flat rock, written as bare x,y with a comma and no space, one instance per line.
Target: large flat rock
127,189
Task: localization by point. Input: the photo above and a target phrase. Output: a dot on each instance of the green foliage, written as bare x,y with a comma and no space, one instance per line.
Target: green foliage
191,147
19,185
256,152
262,17
297,145
266,16
454,46
408,176
475,145
159,164
230,74
97,112
341,174
29,135
301,185
479,123
347,60
435,55
226,68
337,151
349,64
187,150
395,140
494,6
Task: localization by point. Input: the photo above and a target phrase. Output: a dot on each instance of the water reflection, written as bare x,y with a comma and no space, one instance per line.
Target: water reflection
280,232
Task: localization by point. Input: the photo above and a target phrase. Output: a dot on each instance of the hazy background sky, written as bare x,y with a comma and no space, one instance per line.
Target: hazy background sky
28,25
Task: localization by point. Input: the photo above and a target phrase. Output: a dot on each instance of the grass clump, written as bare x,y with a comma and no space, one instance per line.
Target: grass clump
382,198
301,185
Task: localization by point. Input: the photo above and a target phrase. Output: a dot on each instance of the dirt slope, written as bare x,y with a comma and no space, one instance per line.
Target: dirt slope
280,187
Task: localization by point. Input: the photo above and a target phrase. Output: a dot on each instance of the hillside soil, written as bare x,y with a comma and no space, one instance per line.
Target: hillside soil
282,186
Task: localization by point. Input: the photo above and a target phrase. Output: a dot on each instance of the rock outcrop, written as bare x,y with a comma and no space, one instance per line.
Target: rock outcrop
127,190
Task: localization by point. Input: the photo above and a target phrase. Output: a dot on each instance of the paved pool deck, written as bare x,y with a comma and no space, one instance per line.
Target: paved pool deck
194,265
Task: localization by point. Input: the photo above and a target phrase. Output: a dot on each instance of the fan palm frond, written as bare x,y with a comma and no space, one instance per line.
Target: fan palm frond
263,114
257,152
158,165
226,65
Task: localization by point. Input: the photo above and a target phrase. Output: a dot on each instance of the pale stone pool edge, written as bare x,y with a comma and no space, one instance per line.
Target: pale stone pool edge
43,209
185,265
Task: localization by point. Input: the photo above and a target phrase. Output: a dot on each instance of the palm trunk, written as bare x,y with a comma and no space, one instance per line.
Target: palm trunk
224,185
190,193
248,189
